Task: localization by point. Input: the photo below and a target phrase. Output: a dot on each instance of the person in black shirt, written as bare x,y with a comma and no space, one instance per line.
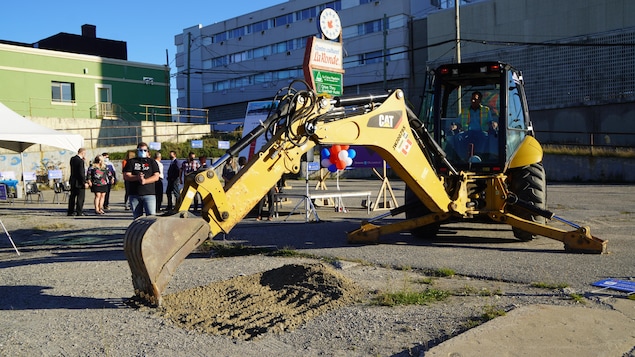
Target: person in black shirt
141,173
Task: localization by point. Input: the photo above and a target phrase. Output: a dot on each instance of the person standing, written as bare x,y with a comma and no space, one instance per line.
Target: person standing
110,167
242,161
158,186
141,173
78,184
129,155
173,182
190,165
99,177
229,170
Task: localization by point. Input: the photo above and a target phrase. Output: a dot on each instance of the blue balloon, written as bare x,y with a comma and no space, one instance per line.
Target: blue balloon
352,153
325,153
332,168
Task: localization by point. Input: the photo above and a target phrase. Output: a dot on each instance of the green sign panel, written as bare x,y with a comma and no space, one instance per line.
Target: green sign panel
327,82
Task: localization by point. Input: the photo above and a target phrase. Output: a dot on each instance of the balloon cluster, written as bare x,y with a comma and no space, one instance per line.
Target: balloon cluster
337,157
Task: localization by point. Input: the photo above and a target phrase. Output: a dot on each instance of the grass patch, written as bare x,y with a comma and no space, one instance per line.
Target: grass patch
53,226
588,151
425,297
489,313
443,273
552,286
233,250
425,280
577,298
631,297
470,290
290,253
220,250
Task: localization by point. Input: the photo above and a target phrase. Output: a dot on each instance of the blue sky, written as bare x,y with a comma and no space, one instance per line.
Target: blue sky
148,27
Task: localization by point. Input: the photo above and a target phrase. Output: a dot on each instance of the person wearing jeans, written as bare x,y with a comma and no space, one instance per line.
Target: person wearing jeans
141,173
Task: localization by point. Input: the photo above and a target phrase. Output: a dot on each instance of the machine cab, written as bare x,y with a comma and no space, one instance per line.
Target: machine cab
477,112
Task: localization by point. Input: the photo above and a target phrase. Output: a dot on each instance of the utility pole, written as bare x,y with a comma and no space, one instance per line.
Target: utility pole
189,56
457,23
385,57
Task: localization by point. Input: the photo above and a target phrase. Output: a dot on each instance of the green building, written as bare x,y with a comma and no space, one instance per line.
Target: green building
44,83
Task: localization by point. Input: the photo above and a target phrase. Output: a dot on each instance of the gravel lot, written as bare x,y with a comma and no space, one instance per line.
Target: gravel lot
67,293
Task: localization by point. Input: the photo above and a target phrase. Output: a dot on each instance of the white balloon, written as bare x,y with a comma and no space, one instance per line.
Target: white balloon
325,162
343,155
349,161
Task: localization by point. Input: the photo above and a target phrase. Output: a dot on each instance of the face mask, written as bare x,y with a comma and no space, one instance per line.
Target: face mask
141,153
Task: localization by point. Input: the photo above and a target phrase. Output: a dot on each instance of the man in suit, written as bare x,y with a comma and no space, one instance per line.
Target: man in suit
78,184
173,182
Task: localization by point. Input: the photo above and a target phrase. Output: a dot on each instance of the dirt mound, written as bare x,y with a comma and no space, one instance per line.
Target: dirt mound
246,307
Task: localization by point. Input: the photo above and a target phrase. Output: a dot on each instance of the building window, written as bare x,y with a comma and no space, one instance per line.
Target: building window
306,14
372,57
220,37
369,27
335,5
284,20
259,26
63,92
237,32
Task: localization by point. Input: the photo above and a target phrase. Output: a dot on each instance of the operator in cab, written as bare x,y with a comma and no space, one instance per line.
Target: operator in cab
476,121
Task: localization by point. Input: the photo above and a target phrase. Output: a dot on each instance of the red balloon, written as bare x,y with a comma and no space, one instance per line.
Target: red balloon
340,165
335,149
344,147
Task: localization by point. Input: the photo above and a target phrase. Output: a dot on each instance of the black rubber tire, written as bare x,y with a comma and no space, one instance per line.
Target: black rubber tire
426,232
529,183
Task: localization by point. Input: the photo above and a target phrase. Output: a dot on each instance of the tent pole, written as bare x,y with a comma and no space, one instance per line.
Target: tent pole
23,184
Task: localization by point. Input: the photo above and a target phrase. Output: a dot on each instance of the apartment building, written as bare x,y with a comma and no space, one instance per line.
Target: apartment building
223,66
577,56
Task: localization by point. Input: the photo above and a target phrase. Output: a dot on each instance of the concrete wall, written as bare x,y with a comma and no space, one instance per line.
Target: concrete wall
99,133
99,136
604,125
589,169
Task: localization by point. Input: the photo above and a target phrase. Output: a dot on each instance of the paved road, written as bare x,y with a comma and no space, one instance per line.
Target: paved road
487,251
479,250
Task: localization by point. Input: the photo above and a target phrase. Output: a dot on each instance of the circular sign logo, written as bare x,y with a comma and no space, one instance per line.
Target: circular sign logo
330,24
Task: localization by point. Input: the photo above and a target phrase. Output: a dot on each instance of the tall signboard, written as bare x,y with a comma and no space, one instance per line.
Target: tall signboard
323,57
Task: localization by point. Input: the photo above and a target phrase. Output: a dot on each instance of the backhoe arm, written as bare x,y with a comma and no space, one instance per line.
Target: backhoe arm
155,246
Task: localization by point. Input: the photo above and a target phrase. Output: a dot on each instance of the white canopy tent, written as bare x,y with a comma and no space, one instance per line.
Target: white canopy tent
18,133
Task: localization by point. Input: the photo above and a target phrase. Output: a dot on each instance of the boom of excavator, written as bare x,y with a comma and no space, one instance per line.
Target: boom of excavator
155,246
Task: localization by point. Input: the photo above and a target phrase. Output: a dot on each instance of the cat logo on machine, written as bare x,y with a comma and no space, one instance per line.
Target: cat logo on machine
389,120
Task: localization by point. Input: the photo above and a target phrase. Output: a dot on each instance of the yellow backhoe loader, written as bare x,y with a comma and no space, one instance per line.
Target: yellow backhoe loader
472,174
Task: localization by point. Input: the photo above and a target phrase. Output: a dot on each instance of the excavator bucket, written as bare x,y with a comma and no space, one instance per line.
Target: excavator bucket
155,246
